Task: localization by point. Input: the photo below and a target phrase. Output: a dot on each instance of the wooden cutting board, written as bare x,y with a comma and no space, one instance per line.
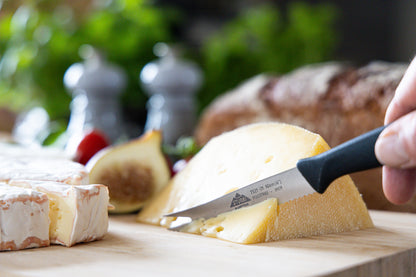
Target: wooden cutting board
133,249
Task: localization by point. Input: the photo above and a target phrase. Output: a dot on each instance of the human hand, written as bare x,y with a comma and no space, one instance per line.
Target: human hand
396,146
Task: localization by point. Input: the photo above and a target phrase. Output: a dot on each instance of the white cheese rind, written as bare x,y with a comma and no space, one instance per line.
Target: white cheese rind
24,221
77,213
44,169
91,225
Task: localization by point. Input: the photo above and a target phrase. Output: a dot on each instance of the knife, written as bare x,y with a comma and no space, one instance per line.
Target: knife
310,175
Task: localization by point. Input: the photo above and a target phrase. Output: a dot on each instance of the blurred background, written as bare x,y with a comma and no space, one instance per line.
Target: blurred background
225,41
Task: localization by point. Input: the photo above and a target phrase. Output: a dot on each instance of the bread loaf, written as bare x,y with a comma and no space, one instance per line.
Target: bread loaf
337,100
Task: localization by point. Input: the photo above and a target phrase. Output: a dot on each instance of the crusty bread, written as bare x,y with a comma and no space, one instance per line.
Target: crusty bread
336,100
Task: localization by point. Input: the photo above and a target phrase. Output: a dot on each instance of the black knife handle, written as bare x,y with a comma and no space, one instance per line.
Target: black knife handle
352,156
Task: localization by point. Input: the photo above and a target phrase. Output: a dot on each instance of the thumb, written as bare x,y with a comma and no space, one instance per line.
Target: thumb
396,145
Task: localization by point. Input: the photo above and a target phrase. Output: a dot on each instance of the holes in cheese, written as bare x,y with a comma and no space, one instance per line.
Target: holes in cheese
249,154
269,159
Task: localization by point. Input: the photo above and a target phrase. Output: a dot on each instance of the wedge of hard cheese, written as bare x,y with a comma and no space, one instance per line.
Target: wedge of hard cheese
76,213
245,155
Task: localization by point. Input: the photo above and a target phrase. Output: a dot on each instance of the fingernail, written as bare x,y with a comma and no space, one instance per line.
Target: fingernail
390,150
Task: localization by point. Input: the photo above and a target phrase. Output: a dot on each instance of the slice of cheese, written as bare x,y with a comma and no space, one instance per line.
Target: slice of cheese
76,213
243,156
251,227
24,219
42,169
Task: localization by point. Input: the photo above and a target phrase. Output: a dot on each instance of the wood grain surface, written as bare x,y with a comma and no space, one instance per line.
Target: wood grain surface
133,249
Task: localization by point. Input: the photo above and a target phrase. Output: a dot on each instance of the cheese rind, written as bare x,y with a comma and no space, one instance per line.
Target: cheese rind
248,154
24,221
77,213
42,169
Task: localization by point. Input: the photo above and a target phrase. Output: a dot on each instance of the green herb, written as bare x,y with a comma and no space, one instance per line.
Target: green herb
185,147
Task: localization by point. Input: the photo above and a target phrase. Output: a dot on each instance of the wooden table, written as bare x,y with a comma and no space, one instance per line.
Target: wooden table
133,249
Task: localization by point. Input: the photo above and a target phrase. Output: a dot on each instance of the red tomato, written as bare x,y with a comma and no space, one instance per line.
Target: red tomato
92,142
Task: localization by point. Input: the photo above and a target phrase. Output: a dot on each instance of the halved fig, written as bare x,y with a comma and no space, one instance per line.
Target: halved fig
134,171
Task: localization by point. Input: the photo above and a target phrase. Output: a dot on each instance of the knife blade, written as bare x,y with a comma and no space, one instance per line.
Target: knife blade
310,175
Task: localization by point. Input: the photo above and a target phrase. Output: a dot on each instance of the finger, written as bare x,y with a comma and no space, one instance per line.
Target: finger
399,185
396,145
404,99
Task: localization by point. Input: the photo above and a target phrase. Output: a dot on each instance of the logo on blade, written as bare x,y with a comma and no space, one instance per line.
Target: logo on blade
239,199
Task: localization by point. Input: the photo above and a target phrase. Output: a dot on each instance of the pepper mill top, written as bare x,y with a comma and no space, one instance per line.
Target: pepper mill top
170,75
95,75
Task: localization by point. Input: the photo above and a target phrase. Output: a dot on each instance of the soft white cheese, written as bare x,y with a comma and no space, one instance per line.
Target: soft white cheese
77,213
45,169
24,221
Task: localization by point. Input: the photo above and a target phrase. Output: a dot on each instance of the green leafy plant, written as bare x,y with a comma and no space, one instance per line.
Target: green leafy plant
41,39
263,40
